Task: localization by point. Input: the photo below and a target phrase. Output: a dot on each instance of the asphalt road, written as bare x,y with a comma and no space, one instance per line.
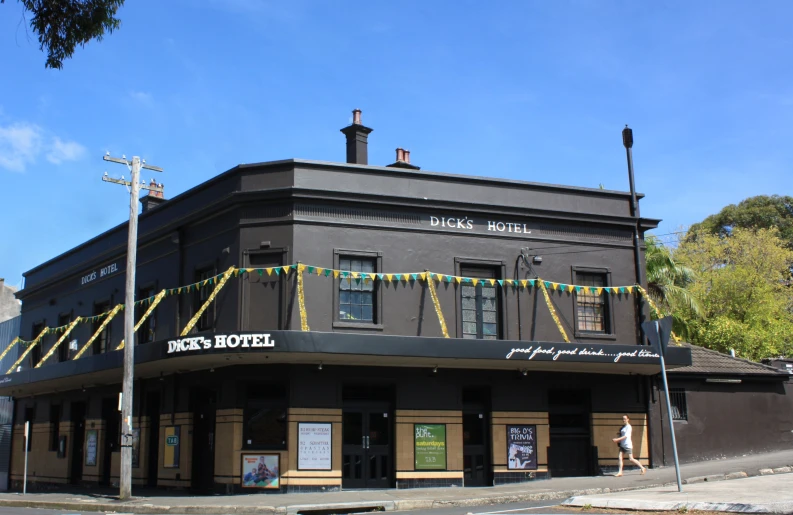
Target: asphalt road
532,508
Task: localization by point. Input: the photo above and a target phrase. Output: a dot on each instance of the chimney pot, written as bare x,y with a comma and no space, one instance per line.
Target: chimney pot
357,140
407,156
400,155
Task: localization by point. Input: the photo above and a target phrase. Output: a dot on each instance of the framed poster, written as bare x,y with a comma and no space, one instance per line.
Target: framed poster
172,447
430,446
261,471
136,448
522,447
90,447
314,445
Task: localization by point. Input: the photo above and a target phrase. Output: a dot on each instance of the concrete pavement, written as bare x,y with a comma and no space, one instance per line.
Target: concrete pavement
163,501
760,494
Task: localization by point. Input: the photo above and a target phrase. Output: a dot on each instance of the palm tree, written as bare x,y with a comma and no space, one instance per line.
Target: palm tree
667,285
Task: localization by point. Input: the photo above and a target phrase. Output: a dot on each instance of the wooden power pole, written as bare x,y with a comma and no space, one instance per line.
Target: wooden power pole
134,185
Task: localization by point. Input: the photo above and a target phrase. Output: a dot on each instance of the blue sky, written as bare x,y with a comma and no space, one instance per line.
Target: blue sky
527,90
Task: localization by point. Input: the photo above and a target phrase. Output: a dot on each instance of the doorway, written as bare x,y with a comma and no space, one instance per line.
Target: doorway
78,441
204,403
569,416
112,421
367,436
153,454
477,469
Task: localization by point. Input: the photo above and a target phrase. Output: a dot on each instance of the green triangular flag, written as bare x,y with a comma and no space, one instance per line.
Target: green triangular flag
380,276
327,272
310,269
563,287
547,284
577,289
622,289
261,272
449,278
414,276
277,270
500,282
293,267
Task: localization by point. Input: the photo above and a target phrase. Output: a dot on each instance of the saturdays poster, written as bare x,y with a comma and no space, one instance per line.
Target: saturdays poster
314,446
522,447
260,471
430,445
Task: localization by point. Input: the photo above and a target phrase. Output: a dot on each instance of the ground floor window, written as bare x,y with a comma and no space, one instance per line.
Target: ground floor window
265,420
677,398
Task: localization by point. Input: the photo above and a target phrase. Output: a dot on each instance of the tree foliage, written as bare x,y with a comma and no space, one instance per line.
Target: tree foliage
61,25
743,281
760,212
668,283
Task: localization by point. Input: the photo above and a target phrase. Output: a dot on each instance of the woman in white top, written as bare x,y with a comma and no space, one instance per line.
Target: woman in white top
626,445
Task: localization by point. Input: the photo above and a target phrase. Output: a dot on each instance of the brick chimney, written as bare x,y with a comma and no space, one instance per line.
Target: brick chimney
403,160
357,140
153,198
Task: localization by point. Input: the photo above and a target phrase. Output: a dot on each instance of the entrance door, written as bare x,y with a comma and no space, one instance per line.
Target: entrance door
204,407
366,448
569,415
153,454
477,467
78,441
112,441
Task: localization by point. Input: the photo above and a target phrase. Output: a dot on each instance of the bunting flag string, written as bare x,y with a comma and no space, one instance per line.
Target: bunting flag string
656,311
219,280
436,303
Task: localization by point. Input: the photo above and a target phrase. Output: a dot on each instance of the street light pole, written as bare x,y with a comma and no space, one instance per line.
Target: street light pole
134,185
627,141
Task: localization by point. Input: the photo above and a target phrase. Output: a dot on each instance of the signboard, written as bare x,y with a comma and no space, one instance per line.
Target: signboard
96,274
135,448
91,440
582,353
313,446
261,471
171,454
251,341
430,446
522,447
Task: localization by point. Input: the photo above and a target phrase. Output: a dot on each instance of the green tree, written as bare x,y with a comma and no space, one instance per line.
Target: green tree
760,212
668,284
743,283
61,25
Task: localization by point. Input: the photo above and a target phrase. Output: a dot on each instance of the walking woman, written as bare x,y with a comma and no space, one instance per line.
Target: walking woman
626,445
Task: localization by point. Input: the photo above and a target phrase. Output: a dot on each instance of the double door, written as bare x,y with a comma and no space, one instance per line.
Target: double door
367,458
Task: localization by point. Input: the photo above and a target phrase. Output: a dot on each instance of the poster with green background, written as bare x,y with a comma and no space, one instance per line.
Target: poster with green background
430,446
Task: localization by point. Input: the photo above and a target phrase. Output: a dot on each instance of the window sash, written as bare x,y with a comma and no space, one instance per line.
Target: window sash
206,320
592,313
356,296
480,306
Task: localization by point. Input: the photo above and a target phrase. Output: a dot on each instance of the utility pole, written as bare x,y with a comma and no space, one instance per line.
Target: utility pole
627,141
134,185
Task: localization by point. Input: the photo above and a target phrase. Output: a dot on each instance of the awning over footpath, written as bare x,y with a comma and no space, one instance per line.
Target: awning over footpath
213,350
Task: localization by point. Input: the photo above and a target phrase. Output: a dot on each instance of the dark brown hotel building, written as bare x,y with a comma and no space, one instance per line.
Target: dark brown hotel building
372,395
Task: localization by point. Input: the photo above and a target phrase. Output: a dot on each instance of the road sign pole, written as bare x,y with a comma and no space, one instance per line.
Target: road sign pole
25,480
669,416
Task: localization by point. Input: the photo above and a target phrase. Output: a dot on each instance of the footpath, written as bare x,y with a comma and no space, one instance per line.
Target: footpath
574,489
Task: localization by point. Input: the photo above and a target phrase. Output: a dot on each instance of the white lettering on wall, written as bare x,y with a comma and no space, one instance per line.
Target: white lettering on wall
533,351
466,223
221,341
103,272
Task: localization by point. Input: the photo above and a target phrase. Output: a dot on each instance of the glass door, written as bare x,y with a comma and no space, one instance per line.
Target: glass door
366,449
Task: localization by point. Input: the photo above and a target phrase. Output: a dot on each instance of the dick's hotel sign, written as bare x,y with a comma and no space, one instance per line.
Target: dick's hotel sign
221,341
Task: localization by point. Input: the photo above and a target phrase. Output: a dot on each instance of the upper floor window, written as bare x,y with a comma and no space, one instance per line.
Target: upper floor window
147,331
592,308
35,352
480,304
207,319
102,341
357,294
63,348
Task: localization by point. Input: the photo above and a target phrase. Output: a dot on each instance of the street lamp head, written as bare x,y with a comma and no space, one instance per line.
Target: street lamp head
627,137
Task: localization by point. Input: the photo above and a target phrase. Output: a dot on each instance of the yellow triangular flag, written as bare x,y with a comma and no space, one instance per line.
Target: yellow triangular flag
474,281
335,273
423,276
524,283
372,276
269,271
570,287
285,269
600,290
458,279
319,270
180,290
439,277
405,277
492,282
630,289
249,270
389,277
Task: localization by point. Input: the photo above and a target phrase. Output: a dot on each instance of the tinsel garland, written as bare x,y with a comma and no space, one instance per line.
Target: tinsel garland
434,295
553,311
146,315
193,321
113,312
66,333
301,298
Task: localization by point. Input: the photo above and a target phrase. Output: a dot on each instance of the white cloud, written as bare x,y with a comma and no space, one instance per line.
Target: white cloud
142,97
61,151
22,143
